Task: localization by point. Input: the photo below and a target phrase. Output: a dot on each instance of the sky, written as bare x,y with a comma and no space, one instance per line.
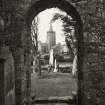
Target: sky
44,18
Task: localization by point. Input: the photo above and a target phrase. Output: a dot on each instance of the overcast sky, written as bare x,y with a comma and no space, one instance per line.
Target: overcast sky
44,24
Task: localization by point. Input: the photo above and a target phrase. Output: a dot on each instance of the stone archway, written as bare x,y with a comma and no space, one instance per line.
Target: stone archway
70,10
94,64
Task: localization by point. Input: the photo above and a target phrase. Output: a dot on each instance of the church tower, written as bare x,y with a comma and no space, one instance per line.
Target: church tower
51,38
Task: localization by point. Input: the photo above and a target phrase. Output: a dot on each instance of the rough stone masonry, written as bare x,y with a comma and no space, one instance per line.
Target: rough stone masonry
15,33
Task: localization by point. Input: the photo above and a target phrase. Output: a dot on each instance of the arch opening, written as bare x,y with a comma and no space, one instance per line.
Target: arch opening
71,11
54,52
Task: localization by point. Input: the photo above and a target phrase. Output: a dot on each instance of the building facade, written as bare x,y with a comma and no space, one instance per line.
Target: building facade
42,47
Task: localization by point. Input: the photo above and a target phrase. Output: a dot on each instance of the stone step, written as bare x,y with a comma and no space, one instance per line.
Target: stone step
53,100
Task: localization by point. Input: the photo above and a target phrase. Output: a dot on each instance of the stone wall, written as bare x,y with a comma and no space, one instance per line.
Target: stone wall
93,75
15,34
9,76
93,83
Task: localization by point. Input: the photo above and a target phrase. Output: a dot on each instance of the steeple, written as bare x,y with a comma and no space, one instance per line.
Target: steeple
51,38
50,29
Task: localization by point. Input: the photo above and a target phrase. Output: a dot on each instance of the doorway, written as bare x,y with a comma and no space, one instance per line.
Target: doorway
67,7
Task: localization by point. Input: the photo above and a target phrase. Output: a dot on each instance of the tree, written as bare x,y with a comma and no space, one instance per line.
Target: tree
68,28
34,36
70,36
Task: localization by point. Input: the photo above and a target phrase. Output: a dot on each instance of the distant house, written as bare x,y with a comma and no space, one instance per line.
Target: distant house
57,49
65,49
42,47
